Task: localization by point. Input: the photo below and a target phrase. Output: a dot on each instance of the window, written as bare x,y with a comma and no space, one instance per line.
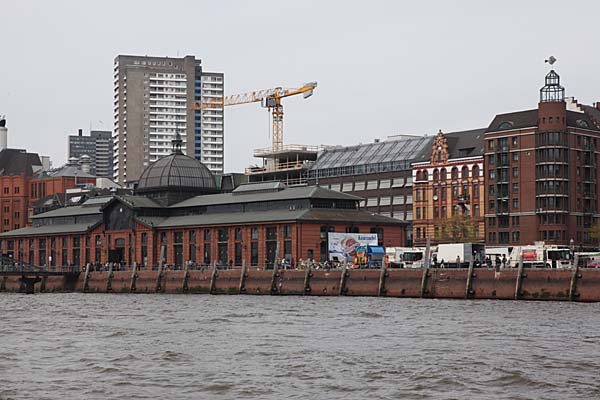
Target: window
476,210
418,214
515,172
398,200
465,172
475,190
515,188
515,140
347,187
454,173
436,212
516,204
372,202
515,156
371,185
492,174
385,201
491,144
223,241
359,186
192,245
207,246
385,184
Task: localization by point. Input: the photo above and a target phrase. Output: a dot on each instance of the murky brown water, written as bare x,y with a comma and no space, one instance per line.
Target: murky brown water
82,346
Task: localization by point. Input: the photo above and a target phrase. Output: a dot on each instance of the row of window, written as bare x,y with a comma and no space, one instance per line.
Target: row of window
439,193
421,233
371,184
502,143
386,201
442,174
16,190
501,206
504,237
442,212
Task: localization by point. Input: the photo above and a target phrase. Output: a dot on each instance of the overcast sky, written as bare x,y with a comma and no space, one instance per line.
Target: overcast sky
383,67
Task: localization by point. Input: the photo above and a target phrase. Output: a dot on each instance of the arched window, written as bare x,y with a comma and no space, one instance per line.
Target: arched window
465,172
443,175
476,171
436,175
425,175
419,175
454,173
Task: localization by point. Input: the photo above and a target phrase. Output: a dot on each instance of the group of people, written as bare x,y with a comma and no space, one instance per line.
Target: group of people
499,262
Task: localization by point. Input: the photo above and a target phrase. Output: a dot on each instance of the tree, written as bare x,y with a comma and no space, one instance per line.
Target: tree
458,229
595,231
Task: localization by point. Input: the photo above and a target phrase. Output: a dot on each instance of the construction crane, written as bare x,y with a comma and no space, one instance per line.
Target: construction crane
269,98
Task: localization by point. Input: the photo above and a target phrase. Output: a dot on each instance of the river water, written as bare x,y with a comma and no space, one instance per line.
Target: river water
94,346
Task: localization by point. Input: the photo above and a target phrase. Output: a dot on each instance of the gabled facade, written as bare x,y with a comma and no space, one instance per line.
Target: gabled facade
449,184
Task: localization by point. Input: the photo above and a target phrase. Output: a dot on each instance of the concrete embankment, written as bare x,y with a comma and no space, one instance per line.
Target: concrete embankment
507,284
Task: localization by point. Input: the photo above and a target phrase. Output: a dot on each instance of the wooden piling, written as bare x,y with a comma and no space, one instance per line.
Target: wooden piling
519,281
307,276
134,276
343,277
243,275
381,289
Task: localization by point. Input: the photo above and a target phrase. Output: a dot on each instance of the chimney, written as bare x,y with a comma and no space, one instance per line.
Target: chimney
81,132
598,105
3,133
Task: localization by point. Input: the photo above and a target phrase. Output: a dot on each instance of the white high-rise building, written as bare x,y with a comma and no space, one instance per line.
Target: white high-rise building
153,101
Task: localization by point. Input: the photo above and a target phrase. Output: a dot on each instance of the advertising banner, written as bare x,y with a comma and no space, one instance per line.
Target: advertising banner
342,246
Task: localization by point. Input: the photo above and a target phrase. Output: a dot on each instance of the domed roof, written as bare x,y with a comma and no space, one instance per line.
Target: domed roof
177,172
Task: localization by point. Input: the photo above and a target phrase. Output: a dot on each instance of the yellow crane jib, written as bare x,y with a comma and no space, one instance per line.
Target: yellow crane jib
269,98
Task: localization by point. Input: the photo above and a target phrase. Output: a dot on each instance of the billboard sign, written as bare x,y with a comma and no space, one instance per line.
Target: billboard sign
342,246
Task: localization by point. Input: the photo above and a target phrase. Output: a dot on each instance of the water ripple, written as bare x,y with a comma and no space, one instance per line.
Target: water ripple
266,347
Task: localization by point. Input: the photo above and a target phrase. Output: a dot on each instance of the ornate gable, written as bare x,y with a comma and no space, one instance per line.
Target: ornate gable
439,153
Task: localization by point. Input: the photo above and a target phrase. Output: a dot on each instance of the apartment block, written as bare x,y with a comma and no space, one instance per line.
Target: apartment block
154,99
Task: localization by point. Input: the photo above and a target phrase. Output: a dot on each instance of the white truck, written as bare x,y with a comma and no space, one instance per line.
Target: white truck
405,257
541,255
459,254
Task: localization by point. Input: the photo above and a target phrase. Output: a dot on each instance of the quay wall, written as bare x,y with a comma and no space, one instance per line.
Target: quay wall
479,283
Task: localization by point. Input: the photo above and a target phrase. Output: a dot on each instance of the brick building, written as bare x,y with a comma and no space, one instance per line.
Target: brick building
17,167
450,183
177,215
541,174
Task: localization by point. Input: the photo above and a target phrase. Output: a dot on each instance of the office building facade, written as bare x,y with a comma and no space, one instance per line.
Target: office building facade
154,99
380,173
98,146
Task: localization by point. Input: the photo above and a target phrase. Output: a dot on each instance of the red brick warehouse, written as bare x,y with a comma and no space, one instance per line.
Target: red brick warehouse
178,212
